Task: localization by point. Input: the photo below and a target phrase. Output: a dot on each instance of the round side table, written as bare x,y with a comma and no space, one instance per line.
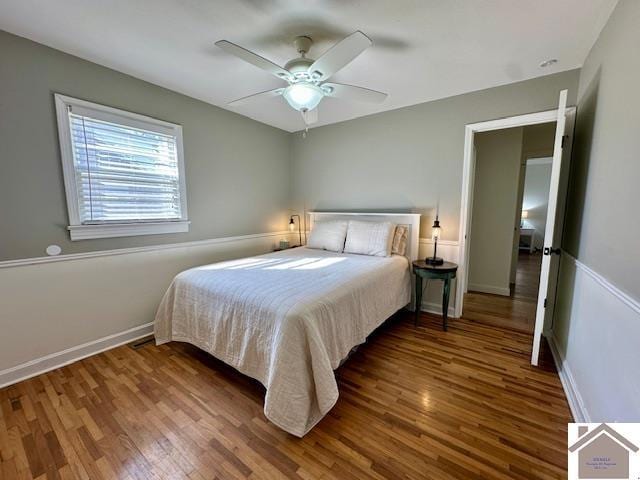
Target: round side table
445,272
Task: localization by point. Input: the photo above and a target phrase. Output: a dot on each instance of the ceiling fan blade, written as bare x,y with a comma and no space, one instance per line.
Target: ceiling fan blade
253,59
351,92
310,116
269,93
339,55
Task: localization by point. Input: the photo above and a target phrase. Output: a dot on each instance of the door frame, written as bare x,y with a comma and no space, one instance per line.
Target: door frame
468,175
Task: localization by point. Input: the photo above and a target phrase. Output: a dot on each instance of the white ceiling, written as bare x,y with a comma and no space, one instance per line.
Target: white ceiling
423,49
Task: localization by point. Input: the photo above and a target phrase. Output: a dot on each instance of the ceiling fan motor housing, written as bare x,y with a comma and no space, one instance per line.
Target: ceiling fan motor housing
299,66
303,44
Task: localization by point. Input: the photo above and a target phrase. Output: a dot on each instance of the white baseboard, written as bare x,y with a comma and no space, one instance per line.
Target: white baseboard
492,289
55,360
436,308
596,327
576,404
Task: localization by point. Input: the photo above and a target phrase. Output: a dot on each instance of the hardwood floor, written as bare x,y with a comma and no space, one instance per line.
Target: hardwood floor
518,311
527,276
414,403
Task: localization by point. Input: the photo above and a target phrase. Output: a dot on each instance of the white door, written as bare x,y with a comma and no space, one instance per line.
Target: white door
555,221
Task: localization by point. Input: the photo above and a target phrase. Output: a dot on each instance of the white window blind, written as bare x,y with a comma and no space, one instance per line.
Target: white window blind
124,174
126,169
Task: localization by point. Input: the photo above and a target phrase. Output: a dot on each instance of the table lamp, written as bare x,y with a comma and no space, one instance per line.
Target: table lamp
435,235
292,227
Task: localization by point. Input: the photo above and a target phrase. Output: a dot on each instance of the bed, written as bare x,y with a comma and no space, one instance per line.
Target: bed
289,318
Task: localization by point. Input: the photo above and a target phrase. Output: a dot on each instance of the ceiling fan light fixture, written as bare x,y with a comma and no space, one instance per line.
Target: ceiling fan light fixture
303,96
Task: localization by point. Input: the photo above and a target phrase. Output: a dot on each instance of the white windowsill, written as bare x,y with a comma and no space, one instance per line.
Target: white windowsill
110,230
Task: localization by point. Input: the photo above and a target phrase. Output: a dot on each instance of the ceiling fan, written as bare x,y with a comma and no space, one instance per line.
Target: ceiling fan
307,78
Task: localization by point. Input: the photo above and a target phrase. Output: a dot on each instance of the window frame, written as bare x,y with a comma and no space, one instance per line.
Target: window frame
84,231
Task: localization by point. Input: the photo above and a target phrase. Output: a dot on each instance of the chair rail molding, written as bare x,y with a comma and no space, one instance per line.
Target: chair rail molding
125,251
622,296
594,344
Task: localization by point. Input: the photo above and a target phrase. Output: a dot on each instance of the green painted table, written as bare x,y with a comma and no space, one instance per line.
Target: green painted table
445,272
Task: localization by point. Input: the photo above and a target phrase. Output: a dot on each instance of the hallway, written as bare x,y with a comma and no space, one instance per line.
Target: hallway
516,312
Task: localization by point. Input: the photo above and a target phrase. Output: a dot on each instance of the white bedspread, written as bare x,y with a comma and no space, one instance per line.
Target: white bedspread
286,319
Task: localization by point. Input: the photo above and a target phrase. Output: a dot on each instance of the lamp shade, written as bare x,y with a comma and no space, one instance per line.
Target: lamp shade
292,225
303,95
525,214
436,230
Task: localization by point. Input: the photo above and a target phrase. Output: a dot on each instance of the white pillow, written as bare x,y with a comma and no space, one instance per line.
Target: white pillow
399,243
370,238
328,235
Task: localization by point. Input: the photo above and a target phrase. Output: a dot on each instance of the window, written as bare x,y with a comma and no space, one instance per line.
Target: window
123,172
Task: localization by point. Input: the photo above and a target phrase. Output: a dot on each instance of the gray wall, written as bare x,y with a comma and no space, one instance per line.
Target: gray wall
409,158
536,198
597,316
240,174
538,140
495,200
238,170
603,223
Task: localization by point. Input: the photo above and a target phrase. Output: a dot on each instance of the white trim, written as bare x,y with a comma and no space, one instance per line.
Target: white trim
492,289
436,309
467,183
125,251
143,119
539,161
574,399
59,359
66,156
615,291
535,118
592,352
110,230
80,231
429,241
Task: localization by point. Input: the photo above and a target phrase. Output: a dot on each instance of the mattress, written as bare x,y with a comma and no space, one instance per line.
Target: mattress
286,319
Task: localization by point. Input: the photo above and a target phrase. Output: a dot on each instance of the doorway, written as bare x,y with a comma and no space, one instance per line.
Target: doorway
565,119
534,204
508,216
